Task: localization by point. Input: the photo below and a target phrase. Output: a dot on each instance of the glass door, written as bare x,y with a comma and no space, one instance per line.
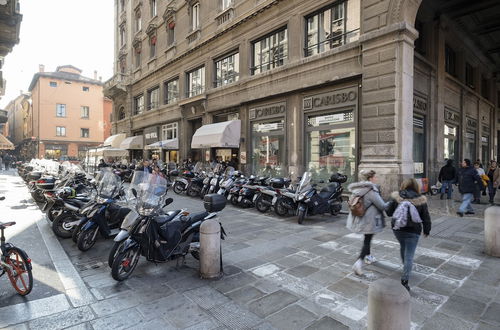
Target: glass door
419,149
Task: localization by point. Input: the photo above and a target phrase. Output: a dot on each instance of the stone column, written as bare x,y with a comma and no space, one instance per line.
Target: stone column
386,113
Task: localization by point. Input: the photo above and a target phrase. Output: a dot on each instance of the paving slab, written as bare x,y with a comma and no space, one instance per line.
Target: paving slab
464,308
292,317
64,319
272,303
327,323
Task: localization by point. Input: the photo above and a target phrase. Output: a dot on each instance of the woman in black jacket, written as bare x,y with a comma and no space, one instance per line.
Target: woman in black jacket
409,235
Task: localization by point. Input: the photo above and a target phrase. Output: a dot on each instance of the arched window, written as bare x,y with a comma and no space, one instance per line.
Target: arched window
121,113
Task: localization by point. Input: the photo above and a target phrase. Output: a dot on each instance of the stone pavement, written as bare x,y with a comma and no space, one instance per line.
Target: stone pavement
281,275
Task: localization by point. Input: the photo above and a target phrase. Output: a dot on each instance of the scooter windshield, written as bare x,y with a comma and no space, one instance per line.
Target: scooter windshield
108,185
151,193
305,183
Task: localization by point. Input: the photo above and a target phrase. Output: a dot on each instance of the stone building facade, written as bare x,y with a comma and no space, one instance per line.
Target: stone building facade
316,85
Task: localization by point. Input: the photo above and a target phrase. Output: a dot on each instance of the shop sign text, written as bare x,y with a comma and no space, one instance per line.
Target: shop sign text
330,100
451,116
419,104
268,110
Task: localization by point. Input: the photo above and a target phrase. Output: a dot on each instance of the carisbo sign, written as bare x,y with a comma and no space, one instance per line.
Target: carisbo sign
268,110
330,100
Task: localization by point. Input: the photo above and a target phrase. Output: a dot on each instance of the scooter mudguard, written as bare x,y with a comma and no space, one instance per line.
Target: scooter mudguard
122,235
129,243
89,225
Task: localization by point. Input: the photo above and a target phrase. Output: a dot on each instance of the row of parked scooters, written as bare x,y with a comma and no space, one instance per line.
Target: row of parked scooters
83,207
263,193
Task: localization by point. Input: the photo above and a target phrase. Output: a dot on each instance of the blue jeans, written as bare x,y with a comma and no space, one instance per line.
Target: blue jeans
449,185
408,244
466,200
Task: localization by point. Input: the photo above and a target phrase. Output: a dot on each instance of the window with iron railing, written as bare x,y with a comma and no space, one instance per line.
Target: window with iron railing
138,104
326,29
270,51
196,82
153,98
171,91
227,70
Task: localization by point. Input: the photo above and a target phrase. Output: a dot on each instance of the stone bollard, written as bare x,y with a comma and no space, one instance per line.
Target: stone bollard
210,258
388,306
492,231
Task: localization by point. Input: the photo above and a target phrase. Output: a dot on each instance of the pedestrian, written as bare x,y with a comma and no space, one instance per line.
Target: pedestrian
447,176
102,164
468,179
480,184
6,161
372,221
410,216
494,182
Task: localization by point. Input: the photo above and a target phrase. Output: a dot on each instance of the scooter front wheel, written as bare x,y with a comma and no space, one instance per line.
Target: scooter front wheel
301,215
87,238
234,200
280,208
178,189
113,252
125,263
62,227
261,206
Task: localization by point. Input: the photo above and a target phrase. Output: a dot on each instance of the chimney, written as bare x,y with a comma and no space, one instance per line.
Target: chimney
41,68
95,74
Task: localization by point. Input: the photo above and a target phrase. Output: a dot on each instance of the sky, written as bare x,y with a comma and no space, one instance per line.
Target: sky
60,32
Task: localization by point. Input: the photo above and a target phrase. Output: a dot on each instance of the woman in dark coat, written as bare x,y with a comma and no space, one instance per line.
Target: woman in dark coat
418,220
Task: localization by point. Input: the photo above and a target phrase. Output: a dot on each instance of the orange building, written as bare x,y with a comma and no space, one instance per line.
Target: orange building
70,113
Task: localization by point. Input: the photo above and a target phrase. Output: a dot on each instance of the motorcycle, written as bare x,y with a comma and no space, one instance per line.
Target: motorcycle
266,197
312,202
158,237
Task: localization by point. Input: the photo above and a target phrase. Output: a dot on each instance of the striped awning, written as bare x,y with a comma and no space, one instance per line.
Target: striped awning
5,144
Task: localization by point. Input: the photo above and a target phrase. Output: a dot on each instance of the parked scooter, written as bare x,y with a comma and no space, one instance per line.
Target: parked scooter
327,200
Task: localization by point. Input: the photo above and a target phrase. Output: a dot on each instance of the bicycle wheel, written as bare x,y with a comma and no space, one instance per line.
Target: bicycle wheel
19,274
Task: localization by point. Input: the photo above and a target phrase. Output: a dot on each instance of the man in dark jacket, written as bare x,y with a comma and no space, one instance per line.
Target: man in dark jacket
467,183
447,176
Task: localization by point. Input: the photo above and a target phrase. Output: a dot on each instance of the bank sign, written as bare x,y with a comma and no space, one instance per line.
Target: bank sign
268,110
151,135
331,100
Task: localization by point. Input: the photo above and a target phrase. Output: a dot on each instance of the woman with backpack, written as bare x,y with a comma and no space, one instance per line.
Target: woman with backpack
410,215
367,214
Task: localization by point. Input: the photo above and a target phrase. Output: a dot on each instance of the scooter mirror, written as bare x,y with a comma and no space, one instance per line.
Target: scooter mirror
134,192
168,201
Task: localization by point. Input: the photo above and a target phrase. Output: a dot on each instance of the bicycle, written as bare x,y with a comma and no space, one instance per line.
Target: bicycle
15,263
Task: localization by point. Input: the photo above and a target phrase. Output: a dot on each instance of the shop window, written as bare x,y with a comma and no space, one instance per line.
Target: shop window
60,110
268,148
84,112
85,88
84,132
195,16
171,91
419,149
331,145
153,98
60,131
169,131
138,104
485,148
270,52
153,6
451,142
53,151
138,21
326,29
485,88
227,70
196,82
450,58
469,75
53,84
470,145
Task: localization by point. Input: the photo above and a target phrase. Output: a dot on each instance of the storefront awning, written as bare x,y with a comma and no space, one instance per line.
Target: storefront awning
133,143
111,152
114,141
5,144
171,144
220,135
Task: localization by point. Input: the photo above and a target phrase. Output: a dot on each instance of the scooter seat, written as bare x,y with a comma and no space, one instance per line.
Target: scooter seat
325,194
197,216
162,219
75,202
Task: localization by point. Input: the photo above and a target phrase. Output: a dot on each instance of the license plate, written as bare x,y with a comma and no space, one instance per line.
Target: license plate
274,200
255,198
240,198
229,196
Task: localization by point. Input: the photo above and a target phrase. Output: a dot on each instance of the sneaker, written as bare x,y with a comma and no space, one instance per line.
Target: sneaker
369,259
470,212
460,214
405,284
358,267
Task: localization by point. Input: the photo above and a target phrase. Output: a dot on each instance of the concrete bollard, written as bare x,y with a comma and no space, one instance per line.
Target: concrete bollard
210,258
492,231
388,306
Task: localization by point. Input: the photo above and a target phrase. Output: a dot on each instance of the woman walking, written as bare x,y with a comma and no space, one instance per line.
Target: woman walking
410,215
372,221
494,182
